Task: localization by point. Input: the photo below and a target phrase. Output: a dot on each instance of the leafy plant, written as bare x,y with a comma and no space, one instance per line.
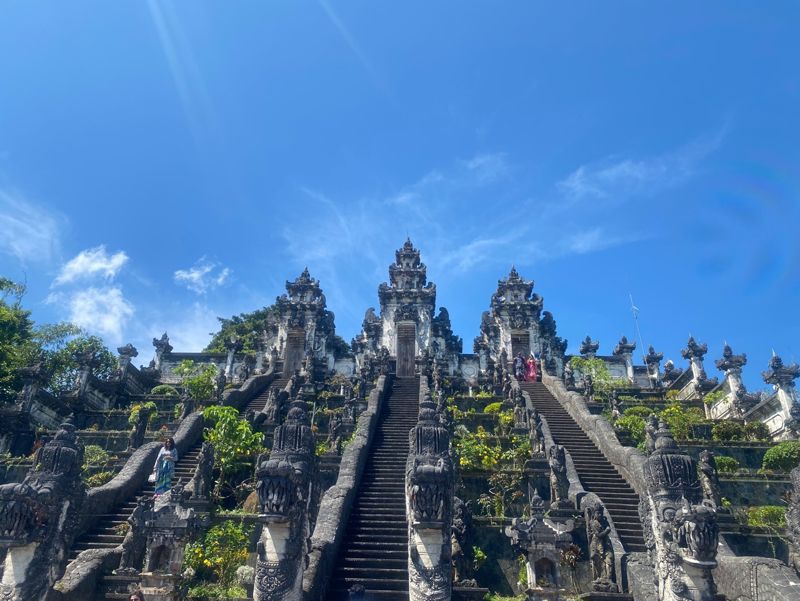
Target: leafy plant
137,408
99,478
633,426
782,457
474,451
767,516
680,419
94,455
235,443
164,390
638,411
217,555
483,394
728,430
478,557
504,489
727,465
714,397
602,380
672,395
756,431
198,381
493,407
321,448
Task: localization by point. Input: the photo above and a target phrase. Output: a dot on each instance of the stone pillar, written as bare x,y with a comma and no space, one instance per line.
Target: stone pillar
259,368
680,529
588,348
234,345
86,361
653,362
168,528
126,355
782,378
163,347
284,483
625,350
38,516
429,502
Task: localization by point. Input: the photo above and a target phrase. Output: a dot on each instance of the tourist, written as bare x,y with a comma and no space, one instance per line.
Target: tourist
531,371
136,596
165,467
519,367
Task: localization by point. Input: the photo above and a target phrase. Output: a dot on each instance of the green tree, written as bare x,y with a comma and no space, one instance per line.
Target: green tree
603,382
16,336
235,443
197,380
245,326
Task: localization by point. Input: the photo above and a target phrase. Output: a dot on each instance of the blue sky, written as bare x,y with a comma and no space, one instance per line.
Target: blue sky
164,162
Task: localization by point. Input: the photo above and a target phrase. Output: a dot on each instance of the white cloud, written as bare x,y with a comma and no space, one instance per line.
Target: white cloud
91,262
27,231
103,311
203,276
618,179
487,167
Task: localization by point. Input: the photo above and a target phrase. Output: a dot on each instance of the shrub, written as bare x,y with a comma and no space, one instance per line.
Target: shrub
197,380
672,395
638,411
164,390
728,430
137,407
483,395
474,451
767,516
99,478
95,455
680,420
782,457
493,408
219,553
714,397
756,431
235,443
727,465
633,426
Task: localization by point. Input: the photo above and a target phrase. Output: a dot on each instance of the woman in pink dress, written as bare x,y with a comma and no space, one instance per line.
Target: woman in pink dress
531,373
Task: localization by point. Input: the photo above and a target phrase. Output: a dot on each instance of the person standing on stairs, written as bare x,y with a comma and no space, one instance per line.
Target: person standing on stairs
164,469
519,367
531,372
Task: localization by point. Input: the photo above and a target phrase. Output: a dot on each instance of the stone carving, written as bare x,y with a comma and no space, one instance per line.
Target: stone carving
540,540
462,545
203,478
188,405
272,409
782,378
126,354
681,530
139,428
163,347
671,373
695,352
220,380
589,347
601,552
38,517
520,414
709,480
429,498
335,434
537,435
569,376
135,541
559,483
653,362
588,386
284,486
793,520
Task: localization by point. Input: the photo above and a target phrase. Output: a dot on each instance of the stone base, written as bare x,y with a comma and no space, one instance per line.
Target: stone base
160,587
121,584
469,593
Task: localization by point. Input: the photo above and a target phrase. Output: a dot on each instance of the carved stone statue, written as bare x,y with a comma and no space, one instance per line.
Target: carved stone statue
335,434
203,479
680,528
133,545
272,409
601,552
520,414
219,385
38,516
569,376
139,429
188,405
559,483
462,547
709,480
537,436
169,527
588,386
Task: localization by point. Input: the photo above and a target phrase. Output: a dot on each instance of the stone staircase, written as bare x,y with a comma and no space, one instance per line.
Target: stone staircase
375,549
107,532
596,472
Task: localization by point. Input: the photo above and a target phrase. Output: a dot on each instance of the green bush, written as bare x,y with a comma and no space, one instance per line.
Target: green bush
95,455
728,430
680,420
99,478
783,457
638,411
727,465
137,407
756,431
493,408
633,426
767,516
164,390
474,451
217,555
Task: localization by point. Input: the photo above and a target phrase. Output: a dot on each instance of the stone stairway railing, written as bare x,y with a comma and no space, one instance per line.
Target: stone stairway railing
338,500
81,576
582,499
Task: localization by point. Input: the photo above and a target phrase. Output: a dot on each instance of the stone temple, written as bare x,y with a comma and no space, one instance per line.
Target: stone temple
402,467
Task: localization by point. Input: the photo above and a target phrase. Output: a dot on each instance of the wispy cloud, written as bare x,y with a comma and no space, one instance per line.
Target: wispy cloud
203,276
191,332
28,231
620,178
90,263
101,310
